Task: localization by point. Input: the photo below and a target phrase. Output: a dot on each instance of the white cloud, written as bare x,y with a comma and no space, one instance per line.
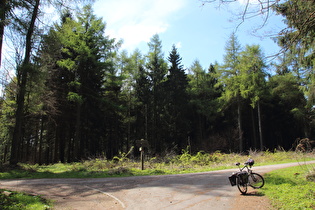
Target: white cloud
178,45
137,21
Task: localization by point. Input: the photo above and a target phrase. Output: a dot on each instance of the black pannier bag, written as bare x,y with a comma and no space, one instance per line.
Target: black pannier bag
243,177
233,179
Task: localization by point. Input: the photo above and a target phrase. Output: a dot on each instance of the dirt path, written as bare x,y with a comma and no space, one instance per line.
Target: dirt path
210,190
252,200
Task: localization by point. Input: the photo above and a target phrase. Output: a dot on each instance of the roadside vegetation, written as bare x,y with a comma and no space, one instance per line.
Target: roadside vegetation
291,188
10,200
122,165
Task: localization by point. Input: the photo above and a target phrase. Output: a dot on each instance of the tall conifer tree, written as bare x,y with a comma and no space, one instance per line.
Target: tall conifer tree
176,101
157,68
230,78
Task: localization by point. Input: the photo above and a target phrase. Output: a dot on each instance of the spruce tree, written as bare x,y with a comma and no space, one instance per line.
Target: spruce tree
176,101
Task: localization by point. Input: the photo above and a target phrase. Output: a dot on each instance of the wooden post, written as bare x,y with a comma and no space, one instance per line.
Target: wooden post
142,157
142,144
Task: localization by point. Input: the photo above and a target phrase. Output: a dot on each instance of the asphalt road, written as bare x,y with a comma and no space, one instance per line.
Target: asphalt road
209,190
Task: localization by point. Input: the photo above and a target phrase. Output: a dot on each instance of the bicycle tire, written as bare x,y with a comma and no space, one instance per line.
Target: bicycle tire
256,181
242,187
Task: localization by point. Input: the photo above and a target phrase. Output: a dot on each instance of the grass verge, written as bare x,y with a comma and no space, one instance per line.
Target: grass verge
291,188
10,200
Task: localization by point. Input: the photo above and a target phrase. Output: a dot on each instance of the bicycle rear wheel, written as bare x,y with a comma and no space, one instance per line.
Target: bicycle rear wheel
256,181
242,187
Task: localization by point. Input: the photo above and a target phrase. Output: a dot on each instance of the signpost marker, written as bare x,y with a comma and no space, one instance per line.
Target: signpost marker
142,144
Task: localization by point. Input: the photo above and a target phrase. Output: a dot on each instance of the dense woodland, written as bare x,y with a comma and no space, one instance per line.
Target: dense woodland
76,95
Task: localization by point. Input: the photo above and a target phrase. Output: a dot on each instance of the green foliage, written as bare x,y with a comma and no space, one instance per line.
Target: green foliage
299,39
286,87
251,65
229,71
10,200
289,189
185,157
74,97
121,157
200,158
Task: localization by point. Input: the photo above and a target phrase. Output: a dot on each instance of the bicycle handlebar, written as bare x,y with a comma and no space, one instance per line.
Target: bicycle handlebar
250,162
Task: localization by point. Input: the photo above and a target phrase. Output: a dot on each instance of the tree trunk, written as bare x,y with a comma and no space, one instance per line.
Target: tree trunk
260,127
40,149
239,122
77,137
254,129
2,24
22,80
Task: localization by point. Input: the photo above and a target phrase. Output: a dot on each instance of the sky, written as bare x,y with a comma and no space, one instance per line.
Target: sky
200,32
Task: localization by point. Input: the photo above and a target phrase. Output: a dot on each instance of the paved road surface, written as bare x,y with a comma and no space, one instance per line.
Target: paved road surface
209,190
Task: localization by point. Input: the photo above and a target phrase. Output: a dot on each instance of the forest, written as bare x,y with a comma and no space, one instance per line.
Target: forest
75,95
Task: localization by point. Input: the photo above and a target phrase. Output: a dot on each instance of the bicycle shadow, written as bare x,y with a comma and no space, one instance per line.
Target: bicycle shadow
254,193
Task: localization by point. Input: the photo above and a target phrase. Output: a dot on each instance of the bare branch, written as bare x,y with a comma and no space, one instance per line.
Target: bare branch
251,9
244,15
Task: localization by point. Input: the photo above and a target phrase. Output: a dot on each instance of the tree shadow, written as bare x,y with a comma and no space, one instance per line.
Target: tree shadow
214,183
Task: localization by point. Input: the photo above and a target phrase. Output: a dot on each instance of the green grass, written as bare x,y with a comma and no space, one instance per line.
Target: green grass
291,188
10,200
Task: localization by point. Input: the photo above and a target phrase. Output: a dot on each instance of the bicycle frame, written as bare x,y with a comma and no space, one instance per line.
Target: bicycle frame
249,170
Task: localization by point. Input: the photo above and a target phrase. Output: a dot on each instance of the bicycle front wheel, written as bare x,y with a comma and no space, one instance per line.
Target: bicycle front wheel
242,187
256,181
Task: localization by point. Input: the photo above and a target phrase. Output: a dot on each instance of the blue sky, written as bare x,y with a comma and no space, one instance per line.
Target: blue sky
199,32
